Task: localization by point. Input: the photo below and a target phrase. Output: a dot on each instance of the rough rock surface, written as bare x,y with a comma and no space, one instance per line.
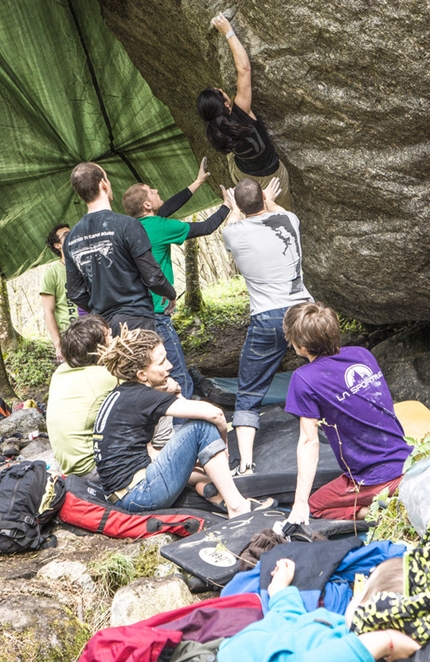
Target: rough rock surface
52,600
23,421
40,449
146,597
36,627
344,90
405,362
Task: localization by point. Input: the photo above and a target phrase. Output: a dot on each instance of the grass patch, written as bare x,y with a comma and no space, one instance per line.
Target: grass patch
147,561
31,366
390,515
116,570
113,571
225,304
348,325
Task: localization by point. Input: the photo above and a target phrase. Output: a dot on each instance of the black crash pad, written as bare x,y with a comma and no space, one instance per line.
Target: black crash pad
275,455
212,554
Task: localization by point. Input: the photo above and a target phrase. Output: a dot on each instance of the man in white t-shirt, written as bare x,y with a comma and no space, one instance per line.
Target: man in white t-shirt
266,248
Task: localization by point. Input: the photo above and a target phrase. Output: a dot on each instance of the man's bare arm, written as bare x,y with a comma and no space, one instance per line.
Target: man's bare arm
307,461
48,305
200,410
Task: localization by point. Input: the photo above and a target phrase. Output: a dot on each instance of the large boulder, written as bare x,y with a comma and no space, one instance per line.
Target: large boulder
147,597
22,421
405,362
344,90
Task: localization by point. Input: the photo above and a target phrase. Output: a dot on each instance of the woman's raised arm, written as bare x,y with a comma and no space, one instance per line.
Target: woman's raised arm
243,97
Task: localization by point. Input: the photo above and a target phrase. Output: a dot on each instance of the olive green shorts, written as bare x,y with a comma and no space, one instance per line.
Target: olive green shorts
284,200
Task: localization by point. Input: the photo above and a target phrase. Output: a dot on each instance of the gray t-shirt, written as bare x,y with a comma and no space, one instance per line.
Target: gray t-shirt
268,253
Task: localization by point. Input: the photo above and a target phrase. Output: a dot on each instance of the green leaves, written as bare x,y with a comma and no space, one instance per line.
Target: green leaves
32,366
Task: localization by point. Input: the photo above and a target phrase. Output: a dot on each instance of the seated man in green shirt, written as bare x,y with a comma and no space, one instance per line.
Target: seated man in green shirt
78,388
59,311
145,204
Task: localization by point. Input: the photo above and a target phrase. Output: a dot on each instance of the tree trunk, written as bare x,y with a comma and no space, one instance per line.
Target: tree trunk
6,390
193,295
8,336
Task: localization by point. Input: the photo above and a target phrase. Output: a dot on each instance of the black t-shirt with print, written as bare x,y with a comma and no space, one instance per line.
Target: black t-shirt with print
101,249
255,155
124,426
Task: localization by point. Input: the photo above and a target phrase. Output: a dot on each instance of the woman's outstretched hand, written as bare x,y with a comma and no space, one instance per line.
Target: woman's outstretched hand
221,24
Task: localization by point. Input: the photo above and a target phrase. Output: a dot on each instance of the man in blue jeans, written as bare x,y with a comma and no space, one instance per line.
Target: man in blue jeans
125,426
266,248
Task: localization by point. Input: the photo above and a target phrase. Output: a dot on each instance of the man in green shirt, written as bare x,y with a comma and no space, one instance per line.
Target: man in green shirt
59,311
145,204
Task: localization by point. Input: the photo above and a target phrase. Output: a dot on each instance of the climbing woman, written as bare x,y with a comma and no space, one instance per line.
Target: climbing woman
233,129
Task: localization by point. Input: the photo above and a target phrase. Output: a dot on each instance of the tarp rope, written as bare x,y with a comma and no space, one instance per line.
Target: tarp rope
113,149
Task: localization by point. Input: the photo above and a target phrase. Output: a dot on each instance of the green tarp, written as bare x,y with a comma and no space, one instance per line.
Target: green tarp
69,93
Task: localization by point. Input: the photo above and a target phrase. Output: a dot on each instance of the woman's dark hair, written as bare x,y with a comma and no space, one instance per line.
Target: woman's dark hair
223,133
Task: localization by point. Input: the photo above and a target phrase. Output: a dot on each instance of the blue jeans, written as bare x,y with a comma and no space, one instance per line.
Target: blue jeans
175,354
261,356
168,474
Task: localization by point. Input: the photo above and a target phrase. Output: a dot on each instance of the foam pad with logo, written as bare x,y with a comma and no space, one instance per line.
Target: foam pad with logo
414,417
212,555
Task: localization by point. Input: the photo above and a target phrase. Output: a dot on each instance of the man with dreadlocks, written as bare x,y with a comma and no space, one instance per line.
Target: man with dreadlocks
125,425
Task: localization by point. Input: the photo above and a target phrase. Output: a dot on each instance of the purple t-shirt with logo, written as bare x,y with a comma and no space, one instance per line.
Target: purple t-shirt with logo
348,391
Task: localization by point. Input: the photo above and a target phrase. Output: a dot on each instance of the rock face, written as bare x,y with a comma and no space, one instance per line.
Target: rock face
405,362
146,597
53,600
344,91
22,421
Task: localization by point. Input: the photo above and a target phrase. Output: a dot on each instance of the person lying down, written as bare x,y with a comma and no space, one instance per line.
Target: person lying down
289,633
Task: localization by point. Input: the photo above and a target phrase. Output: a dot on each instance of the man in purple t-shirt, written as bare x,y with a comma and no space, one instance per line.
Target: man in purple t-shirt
344,391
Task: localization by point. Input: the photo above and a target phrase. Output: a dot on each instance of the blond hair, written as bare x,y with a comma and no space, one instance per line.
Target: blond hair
314,327
387,577
129,352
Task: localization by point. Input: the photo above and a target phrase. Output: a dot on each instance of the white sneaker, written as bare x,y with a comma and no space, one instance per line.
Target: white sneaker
248,471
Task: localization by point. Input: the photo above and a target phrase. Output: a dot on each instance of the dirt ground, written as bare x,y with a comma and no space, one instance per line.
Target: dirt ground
220,358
